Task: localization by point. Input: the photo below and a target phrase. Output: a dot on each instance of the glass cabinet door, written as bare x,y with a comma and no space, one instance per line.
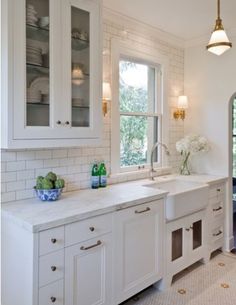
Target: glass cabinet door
177,244
80,67
37,63
197,234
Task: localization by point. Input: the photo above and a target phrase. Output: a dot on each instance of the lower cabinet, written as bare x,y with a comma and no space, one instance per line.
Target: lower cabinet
138,248
186,242
88,272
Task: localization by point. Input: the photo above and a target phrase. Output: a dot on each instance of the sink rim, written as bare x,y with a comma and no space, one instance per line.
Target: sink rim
196,186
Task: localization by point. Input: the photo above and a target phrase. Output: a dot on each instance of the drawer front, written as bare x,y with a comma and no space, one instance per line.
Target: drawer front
87,229
217,190
217,207
52,294
51,240
51,267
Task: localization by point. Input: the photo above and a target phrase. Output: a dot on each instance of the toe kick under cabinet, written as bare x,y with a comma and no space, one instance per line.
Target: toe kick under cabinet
101,260
51,73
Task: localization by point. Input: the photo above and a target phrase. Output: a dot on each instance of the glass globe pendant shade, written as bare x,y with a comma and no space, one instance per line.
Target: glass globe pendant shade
219,42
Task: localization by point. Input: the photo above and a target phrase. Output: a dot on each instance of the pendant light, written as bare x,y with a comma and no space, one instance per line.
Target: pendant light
219,42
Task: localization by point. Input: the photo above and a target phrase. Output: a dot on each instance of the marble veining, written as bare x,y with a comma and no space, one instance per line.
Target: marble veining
36,216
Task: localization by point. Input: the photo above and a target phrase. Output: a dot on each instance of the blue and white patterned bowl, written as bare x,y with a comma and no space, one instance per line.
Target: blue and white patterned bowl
48,195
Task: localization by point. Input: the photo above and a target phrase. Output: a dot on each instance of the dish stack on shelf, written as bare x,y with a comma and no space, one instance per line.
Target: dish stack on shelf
34,55
31,15
77,74
38,91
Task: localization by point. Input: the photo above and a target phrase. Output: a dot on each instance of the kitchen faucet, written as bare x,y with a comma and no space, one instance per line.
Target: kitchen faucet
152,170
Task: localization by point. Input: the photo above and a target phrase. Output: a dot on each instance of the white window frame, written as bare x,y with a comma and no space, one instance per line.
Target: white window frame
124,50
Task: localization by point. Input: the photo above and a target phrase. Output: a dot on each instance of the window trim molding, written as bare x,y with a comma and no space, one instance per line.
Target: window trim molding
121,49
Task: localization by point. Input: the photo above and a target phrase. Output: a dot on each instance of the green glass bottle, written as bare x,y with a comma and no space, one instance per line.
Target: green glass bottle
95,176
102,175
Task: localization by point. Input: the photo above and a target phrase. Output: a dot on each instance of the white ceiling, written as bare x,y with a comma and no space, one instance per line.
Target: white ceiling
186,19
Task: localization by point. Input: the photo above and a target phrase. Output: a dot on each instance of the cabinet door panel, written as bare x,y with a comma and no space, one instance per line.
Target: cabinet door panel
82,58
88,272
138,248
36,80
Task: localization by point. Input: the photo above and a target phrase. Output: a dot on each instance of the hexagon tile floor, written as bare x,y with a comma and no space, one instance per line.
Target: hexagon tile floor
210,284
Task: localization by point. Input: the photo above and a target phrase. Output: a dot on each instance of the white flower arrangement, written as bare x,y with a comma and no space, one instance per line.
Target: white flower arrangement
191,144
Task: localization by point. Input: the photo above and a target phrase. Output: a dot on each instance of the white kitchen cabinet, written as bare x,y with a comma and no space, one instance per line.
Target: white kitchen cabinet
138,248
52,75
88,272
186,243
216,214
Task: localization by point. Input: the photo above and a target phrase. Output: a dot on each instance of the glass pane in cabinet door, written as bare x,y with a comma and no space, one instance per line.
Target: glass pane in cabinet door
80,67
37,63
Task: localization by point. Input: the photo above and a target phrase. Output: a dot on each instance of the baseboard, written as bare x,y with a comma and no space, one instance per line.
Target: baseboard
229,243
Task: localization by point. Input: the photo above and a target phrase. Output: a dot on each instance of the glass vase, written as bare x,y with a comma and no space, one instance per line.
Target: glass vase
184,168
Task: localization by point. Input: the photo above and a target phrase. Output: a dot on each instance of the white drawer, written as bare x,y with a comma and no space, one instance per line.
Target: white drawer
51,267
217,209
51,240
216,190
52,294
87,229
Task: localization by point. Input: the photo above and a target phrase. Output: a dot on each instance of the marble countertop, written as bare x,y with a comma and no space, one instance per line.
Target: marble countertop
36,216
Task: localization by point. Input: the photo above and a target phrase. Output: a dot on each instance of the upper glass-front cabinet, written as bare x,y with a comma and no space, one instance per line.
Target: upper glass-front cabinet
56,85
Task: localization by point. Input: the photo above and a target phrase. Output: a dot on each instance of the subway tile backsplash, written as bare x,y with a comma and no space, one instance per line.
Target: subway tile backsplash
19,169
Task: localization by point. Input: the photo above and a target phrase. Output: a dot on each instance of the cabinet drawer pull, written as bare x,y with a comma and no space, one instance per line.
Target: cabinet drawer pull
58,122
143,211
53,268
218,209
217,234
93,246
91,229
53,299
53,240
218,190
67,123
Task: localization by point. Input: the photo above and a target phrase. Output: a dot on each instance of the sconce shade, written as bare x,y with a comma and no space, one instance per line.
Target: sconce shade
106,91
182,102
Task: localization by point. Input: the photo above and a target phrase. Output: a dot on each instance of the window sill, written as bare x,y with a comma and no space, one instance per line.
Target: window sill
137,175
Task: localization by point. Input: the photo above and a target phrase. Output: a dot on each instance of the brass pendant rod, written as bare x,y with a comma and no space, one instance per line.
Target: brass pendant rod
218,9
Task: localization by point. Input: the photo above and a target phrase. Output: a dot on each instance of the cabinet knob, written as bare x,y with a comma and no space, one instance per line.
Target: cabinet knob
218,190
53,299
58,122
54,268
91,229
53,240
67,123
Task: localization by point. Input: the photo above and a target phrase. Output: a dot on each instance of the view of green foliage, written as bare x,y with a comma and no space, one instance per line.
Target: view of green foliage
133,129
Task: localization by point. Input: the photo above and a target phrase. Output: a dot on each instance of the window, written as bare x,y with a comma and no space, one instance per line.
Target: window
136,110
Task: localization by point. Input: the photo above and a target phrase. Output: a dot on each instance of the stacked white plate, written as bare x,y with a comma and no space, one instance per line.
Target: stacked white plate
33,96
34,55
31,15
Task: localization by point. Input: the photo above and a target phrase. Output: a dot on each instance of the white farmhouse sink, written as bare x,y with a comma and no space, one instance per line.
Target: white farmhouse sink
184,197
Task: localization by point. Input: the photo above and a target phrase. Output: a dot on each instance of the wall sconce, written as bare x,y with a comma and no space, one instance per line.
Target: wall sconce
182,105
106,96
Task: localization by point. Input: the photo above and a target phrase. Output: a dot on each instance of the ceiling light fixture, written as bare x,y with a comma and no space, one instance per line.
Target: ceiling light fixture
219,42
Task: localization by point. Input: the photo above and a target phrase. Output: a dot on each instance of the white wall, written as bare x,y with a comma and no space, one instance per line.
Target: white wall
210,81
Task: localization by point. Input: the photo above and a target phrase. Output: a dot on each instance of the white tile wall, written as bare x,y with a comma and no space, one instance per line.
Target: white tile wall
20,168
